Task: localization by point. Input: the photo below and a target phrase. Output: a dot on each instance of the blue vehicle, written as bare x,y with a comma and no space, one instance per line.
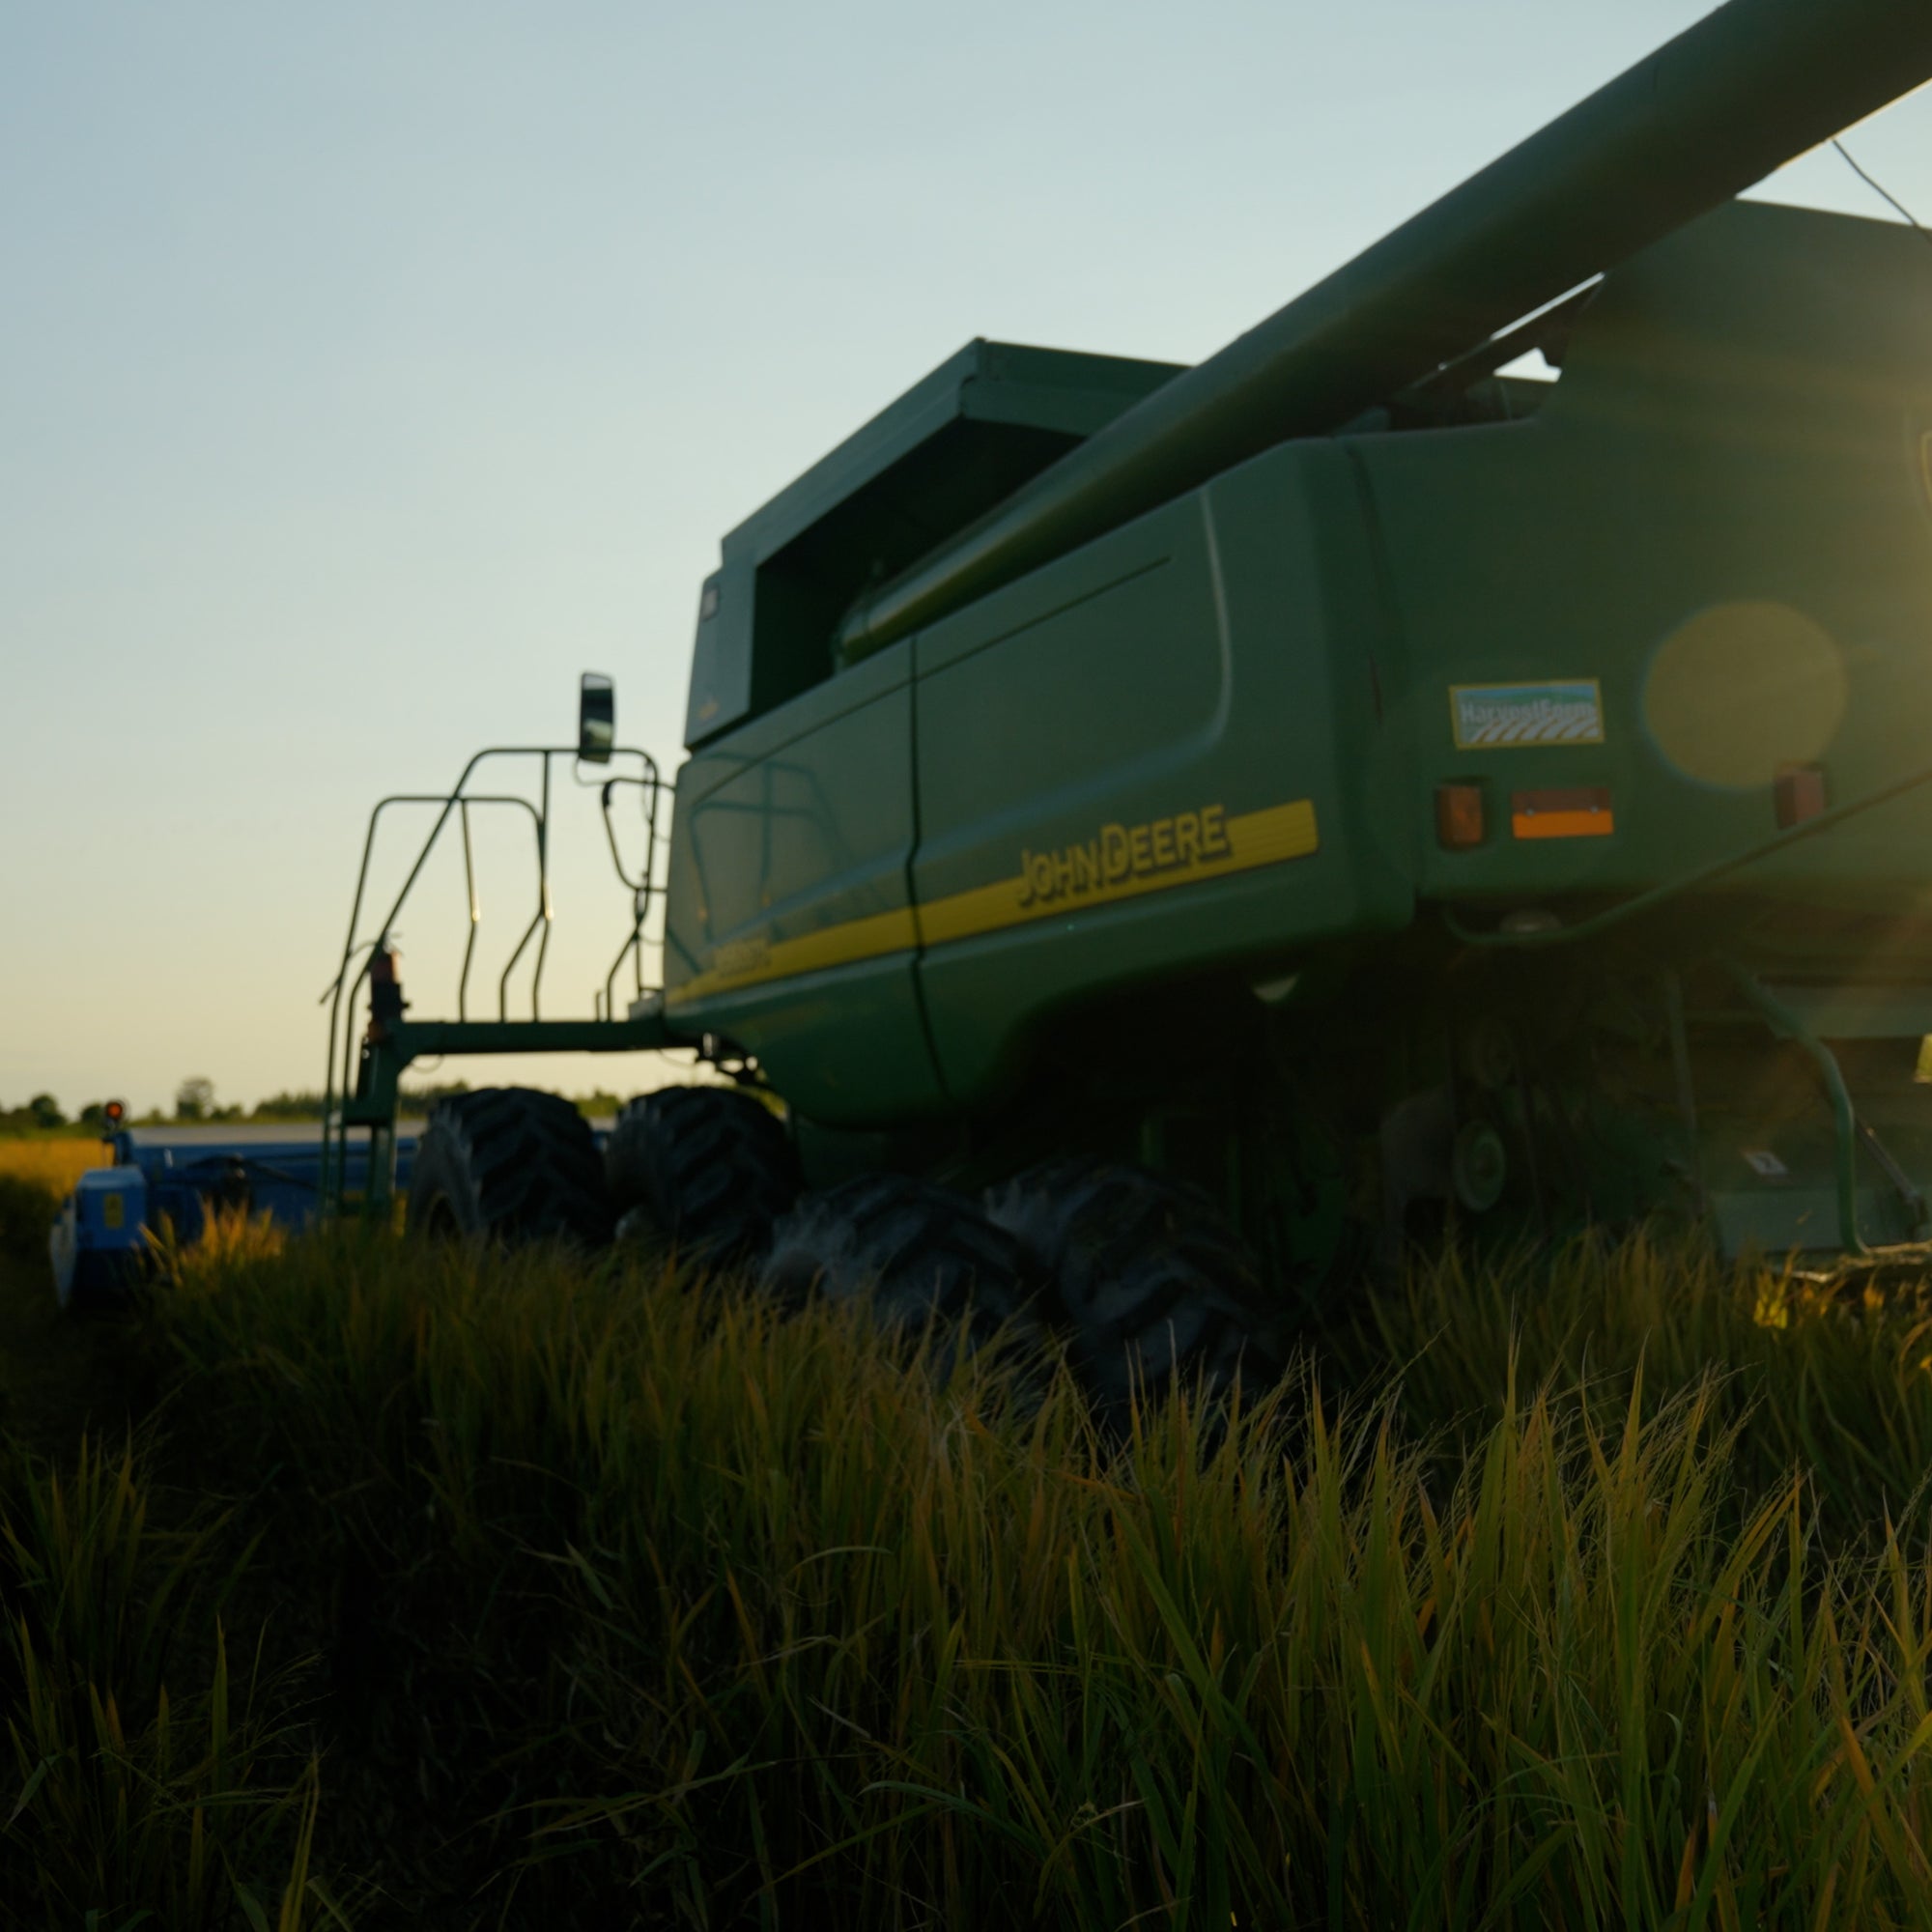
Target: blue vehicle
178,1177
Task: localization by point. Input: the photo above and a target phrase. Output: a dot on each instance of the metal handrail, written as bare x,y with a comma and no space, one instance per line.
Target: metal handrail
457,802
342,987
641,885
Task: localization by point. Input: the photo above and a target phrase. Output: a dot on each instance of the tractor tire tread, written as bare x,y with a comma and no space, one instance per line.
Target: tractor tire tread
1148,1280
919,1251
708,1167
511,1164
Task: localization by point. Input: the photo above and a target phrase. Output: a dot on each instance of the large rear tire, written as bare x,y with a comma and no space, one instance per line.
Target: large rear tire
919,1253
706,1168
510,1165
1154,1288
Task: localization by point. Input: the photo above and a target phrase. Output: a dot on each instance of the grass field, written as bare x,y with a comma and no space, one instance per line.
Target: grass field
51,1163
33,1175
1583,1591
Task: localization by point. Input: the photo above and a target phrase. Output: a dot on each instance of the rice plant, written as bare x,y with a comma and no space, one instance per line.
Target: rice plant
155,1775
1832,1380
666,1606
1583,1589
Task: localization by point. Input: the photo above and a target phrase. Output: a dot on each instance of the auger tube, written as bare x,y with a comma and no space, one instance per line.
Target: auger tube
1707,115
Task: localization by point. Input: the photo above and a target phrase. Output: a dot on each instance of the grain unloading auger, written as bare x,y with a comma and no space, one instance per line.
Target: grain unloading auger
1166,833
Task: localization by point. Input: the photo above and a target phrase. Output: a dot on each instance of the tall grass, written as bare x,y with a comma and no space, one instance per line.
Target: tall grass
1835,1382
154,1777
157,1773
638,1601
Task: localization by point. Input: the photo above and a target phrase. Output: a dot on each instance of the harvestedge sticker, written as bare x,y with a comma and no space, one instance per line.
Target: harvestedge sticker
1119,862
1568,712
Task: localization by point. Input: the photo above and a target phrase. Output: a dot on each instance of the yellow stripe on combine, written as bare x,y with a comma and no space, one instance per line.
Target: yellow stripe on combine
748,962
1255,839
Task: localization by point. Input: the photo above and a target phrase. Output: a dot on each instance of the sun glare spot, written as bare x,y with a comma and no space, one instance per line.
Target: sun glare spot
1742,688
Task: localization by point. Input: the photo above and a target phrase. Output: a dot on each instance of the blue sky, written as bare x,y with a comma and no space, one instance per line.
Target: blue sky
365,373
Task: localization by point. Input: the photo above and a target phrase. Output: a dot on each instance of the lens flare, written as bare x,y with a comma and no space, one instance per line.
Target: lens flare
1742,688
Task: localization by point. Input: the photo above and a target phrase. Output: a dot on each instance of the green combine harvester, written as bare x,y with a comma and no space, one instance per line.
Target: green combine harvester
1155,840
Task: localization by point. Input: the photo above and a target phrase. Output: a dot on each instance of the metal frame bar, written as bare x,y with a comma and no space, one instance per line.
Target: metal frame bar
1786,1025
368,1097
641,885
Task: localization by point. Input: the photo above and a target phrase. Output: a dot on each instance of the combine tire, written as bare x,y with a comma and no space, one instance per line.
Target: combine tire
1151,1284
919,1253
510,1165
706,1168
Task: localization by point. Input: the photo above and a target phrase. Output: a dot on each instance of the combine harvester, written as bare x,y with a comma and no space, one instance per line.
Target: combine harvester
1154,838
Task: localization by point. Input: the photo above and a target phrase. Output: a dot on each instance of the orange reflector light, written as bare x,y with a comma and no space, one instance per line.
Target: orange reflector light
1798,793
1581,813
1459,817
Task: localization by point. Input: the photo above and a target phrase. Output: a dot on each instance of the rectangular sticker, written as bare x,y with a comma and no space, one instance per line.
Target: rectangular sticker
1569,711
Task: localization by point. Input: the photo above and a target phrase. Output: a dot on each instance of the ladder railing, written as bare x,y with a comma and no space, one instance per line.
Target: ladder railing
360,953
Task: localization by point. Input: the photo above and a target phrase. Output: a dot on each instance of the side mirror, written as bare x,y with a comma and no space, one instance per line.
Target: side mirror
596,718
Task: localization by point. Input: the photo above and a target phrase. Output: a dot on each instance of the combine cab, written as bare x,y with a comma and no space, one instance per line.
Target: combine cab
1155,840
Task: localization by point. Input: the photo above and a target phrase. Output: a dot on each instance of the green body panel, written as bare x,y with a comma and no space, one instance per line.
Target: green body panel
797,824
1213,654
847,1041
982,423
1737,443
797,820
1738,440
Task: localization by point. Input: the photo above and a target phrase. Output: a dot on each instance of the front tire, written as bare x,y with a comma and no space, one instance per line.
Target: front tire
509,1165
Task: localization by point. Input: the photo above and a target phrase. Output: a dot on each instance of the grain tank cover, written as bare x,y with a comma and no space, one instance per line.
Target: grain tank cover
950,448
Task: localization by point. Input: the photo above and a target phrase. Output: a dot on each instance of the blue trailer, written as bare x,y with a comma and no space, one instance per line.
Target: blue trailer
177,1177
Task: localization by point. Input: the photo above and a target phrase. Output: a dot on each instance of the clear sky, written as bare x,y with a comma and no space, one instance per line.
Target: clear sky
366,372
